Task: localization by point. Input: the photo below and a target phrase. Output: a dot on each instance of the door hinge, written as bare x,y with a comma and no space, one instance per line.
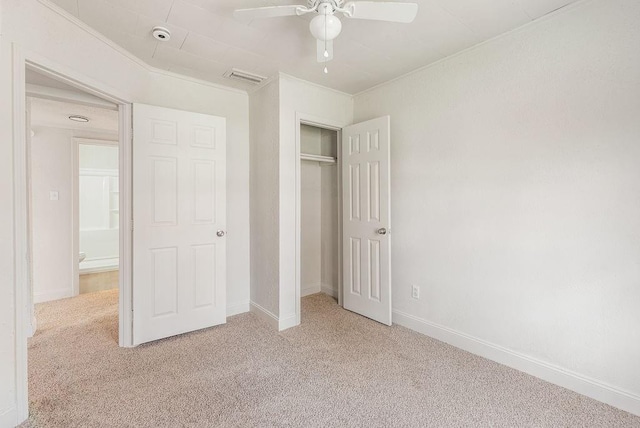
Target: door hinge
131,225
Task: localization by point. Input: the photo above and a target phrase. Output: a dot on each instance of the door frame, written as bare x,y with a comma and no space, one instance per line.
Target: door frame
21,60
331,125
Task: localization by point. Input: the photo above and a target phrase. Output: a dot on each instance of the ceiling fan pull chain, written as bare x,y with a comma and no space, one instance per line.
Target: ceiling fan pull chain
326,52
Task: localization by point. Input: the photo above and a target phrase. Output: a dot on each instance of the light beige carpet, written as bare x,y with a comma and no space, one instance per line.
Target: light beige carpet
336,370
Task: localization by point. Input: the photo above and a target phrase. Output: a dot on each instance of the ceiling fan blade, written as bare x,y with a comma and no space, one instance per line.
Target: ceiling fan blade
268,12
321,50
382,11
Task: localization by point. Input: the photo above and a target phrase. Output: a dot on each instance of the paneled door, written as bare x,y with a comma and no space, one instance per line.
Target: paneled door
179,206
366,246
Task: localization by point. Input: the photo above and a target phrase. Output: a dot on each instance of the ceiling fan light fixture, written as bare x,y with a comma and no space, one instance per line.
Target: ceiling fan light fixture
325,27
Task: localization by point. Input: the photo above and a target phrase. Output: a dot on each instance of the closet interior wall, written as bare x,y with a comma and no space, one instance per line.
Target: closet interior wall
319,212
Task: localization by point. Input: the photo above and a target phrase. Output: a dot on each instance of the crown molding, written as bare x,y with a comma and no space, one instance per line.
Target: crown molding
526,27
317,85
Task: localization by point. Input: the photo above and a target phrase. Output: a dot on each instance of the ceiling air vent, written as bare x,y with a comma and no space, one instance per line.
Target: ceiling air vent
244,76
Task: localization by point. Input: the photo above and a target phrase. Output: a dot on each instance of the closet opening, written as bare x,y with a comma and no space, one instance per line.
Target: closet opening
343,193
320,228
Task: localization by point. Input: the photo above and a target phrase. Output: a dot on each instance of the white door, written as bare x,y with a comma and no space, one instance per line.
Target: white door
366,245
179,206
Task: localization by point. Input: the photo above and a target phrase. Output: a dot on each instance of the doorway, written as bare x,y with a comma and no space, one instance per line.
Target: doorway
363,214
73,225
41,78
97,194
319,189
318,208
73,194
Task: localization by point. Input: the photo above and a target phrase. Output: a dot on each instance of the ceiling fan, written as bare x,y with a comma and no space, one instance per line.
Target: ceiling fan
326,26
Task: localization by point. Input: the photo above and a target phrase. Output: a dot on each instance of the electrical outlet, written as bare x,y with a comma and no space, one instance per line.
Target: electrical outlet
415,292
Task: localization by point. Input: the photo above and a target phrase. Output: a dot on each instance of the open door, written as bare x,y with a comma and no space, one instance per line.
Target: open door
179,207
366,244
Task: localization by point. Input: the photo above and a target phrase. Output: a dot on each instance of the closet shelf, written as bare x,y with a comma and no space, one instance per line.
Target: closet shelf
317,158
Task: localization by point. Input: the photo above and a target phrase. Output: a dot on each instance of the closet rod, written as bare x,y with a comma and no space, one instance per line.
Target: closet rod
317,158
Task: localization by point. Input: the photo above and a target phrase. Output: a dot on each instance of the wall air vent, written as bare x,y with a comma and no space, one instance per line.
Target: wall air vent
244,76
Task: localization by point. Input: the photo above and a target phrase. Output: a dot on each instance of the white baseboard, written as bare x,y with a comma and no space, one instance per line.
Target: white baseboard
265,315
309,289
238,308
99,265
330,290
278,324
287,322
584,385
102,269
47,296
9,418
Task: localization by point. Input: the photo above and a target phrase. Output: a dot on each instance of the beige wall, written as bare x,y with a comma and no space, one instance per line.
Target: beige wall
329,231
515,175
52,221
310,227
264,198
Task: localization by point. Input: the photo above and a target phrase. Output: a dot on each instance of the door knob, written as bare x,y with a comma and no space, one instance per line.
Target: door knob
381,231
220,233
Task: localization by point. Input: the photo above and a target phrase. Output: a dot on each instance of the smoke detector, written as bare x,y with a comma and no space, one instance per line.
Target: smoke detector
161,33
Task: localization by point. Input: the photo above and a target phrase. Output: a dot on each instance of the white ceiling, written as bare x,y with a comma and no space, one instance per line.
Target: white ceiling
55,114
206,41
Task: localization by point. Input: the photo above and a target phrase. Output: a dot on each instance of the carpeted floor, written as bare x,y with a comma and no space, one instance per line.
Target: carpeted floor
336,370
